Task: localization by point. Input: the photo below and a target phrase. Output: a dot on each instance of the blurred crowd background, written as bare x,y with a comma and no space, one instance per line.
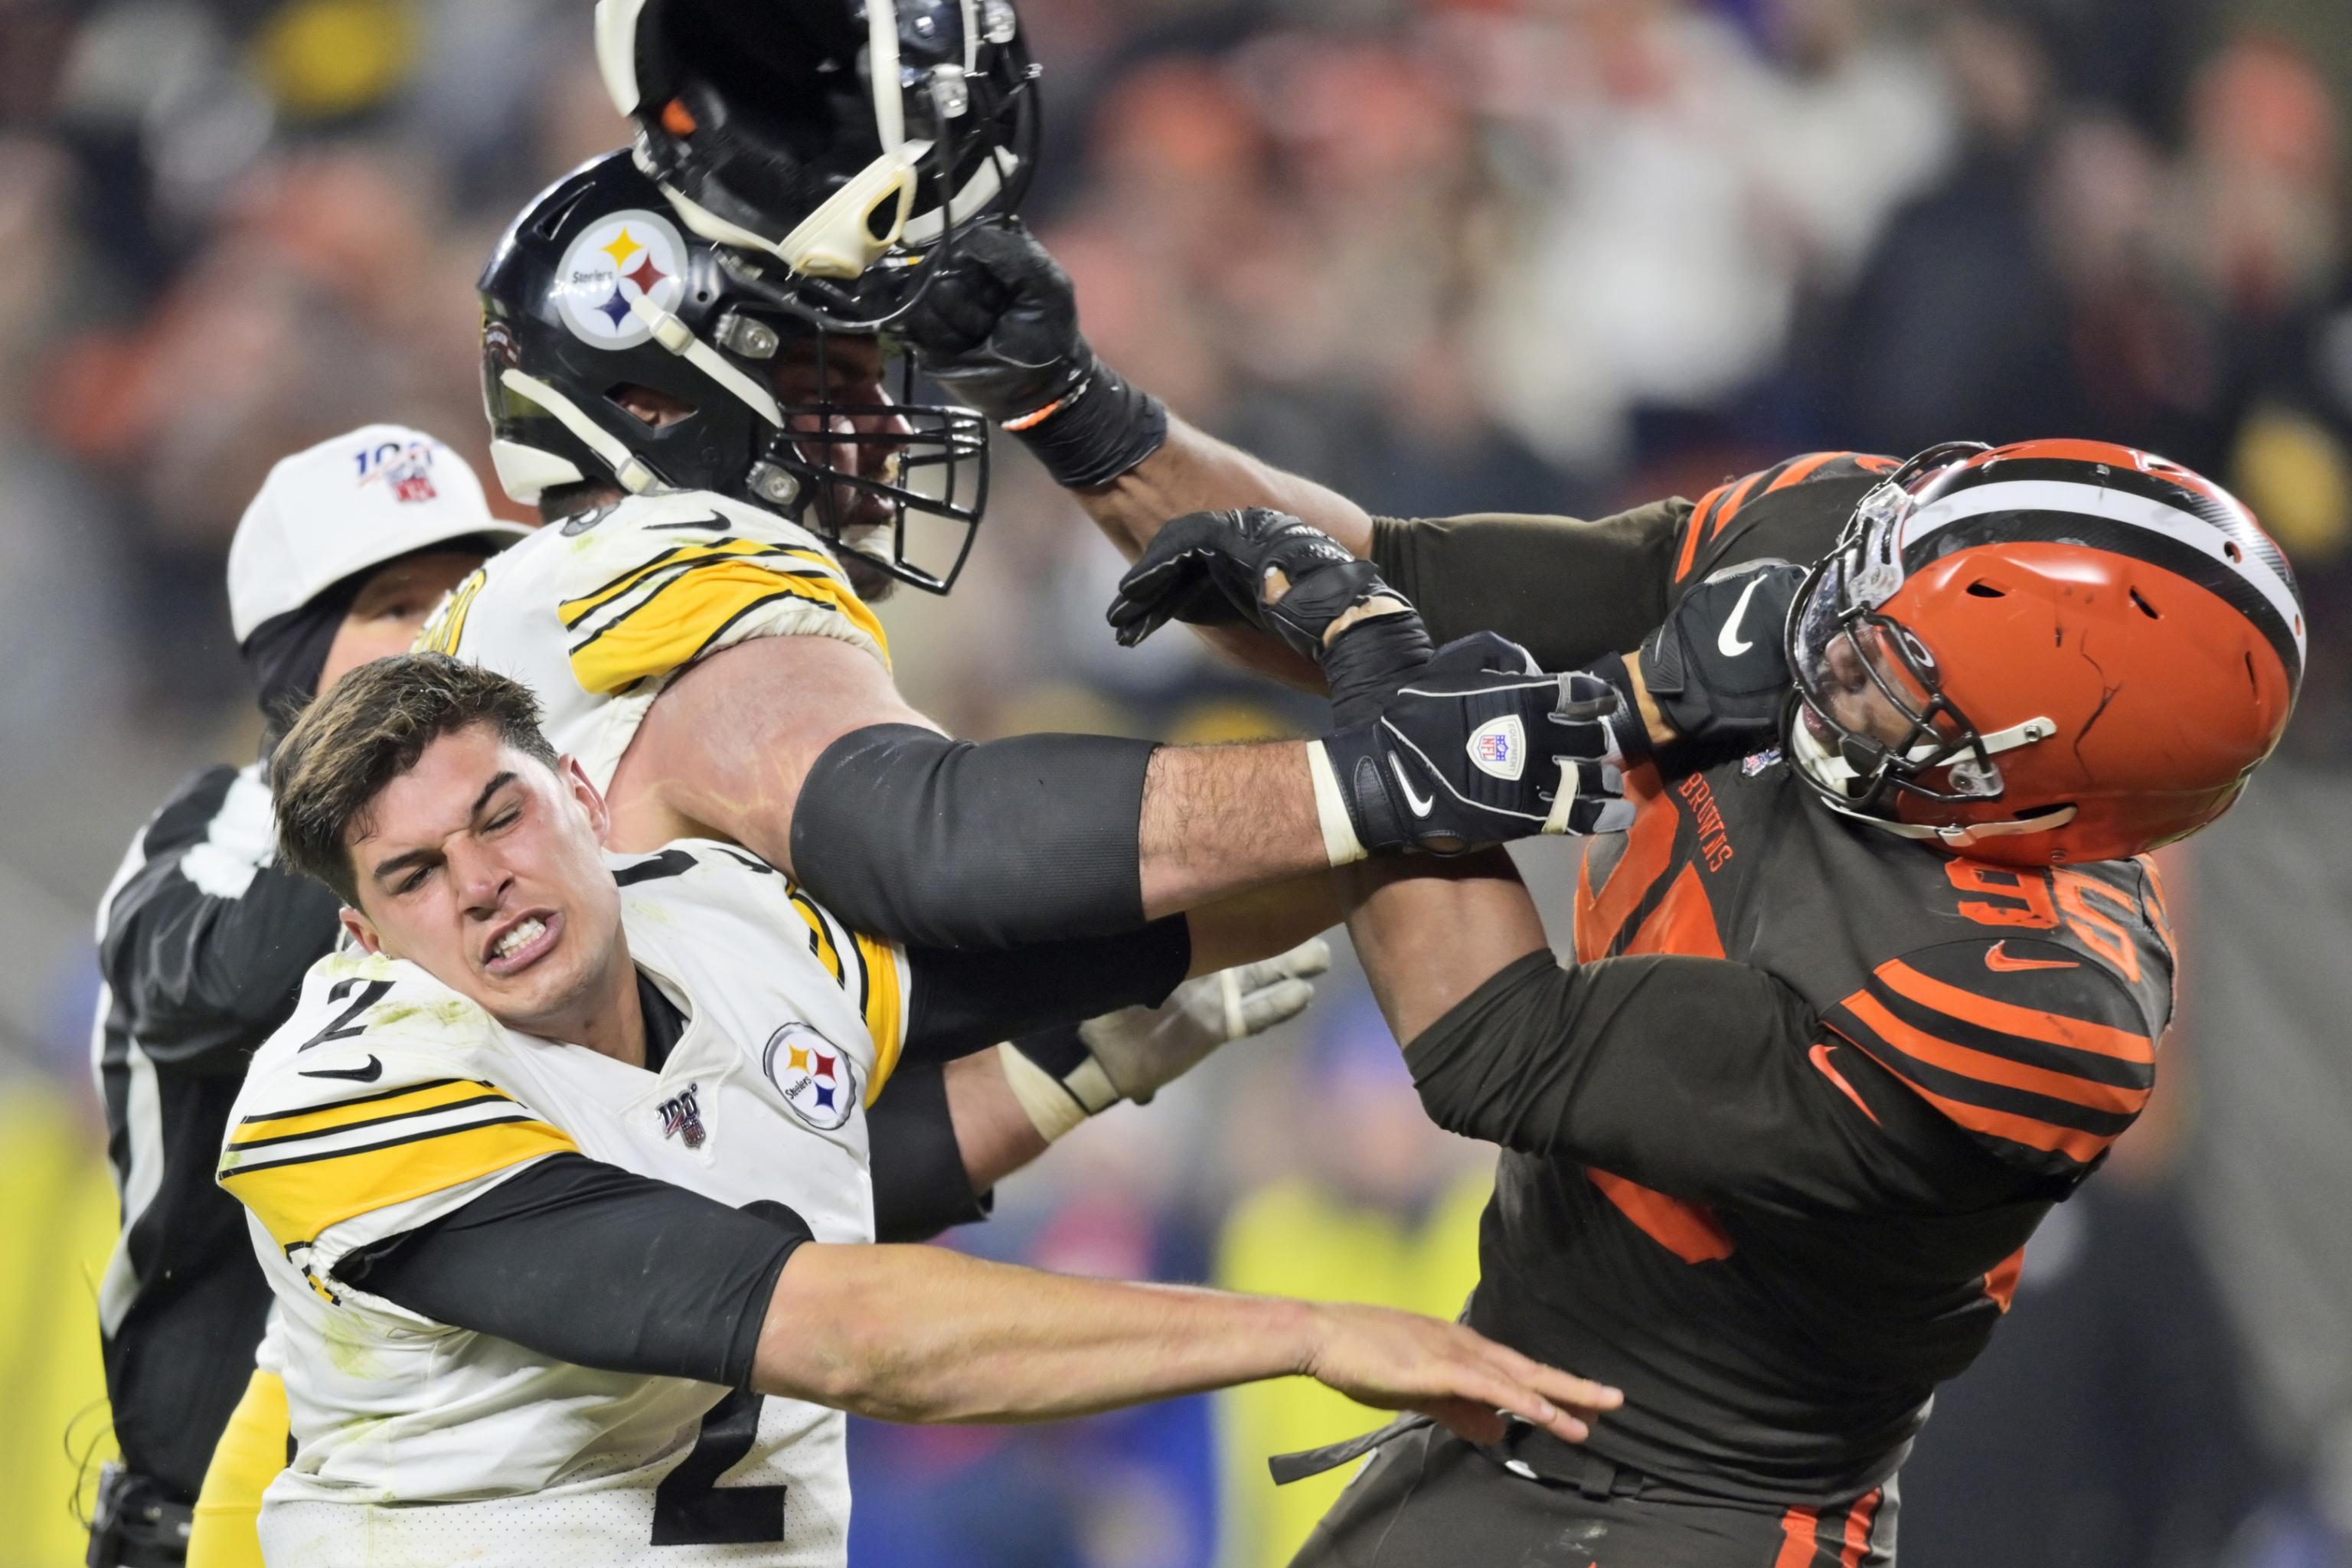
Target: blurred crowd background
1451,255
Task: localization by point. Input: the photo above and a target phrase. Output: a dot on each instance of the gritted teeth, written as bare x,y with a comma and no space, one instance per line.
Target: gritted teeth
520,938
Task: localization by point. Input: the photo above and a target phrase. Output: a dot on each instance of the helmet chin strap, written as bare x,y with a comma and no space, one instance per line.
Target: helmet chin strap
1836,775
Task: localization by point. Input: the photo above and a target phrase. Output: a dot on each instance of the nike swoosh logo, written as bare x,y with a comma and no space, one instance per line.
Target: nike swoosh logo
2000,963
1728,642
1421,804
368,1074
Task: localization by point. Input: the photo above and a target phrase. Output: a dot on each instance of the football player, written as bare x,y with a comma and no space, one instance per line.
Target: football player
1851,1008
561,1183
203,939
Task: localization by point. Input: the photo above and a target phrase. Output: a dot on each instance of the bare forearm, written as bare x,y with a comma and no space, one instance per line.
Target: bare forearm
1429,933
1247,926
1194,471
921,1333
1220,820
994,1132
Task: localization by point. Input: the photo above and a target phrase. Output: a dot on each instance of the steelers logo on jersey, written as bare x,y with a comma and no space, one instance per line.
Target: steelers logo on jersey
631,256
817,1081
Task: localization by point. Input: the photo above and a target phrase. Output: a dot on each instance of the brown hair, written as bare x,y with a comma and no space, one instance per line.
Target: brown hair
368,731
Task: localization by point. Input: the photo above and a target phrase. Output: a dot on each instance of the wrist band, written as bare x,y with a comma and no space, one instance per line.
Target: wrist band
1056,1105
1097,430
1341,845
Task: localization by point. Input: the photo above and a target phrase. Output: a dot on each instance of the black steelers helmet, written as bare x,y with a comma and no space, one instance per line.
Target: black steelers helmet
596,296
827,137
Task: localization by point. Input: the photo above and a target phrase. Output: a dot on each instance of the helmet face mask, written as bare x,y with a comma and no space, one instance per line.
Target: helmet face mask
1982,602
595,298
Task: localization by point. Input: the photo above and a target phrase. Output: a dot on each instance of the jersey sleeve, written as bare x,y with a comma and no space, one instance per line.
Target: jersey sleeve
2039,1054
1570,590
373,1113
1701,1078
1793,511
657,586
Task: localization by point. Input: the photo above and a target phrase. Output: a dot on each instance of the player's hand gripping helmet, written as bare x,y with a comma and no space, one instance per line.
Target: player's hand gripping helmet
596,299
826,135
2055,651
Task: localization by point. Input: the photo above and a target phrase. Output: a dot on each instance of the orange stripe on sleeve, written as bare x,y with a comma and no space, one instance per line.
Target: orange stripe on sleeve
1987,1067
2074,1143
1730,509
1796,470
1693,529
2026,1023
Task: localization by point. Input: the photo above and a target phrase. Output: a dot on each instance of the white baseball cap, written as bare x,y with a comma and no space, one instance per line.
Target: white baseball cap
345,505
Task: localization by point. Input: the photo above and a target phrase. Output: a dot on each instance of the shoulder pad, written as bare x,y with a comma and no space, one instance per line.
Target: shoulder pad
658,581
383,1087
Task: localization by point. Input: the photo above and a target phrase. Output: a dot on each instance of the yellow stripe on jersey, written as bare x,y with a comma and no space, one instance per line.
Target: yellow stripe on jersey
820,937
679,621
298,1196
885,1007
572,612
447,624
277,1127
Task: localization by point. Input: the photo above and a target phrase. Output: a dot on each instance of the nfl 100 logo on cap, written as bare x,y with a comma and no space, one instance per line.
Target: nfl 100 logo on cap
404,469
630,256
1499,747
817,1081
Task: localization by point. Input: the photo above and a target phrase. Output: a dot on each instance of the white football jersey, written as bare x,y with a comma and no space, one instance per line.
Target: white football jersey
388,1100
596,613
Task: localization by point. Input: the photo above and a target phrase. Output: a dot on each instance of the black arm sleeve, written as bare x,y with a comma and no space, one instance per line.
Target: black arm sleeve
1697,1076
1571,591
921,1186
594,1265
967,1000
906,834
204,950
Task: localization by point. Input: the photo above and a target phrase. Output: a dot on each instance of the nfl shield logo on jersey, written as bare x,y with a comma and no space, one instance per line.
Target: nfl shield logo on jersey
816,1081
1499,747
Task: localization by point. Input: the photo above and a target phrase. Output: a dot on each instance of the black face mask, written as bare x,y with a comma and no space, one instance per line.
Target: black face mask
287,652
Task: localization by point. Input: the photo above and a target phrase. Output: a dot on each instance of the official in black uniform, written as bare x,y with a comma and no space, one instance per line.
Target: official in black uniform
1854,1001
202,940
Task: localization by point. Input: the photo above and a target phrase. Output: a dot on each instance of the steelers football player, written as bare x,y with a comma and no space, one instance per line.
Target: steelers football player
561,1180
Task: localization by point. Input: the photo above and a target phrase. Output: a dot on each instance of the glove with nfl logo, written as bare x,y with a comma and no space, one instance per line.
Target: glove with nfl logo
1479,747
1063,1076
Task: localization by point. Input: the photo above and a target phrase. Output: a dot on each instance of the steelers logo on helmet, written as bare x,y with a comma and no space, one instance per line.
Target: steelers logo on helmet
819,1083
628,257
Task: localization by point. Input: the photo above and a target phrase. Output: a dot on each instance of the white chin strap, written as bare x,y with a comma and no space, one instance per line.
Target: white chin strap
628,470
1835,774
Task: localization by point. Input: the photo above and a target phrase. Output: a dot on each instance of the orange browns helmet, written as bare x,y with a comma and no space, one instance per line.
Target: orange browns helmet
2052,651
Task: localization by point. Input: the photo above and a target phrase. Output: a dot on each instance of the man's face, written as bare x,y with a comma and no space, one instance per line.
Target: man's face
869,443
481,864
1844,685
391,608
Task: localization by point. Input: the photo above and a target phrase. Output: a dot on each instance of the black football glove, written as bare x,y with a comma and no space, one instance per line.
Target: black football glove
1277,574
998,329
1479,748
1717,669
